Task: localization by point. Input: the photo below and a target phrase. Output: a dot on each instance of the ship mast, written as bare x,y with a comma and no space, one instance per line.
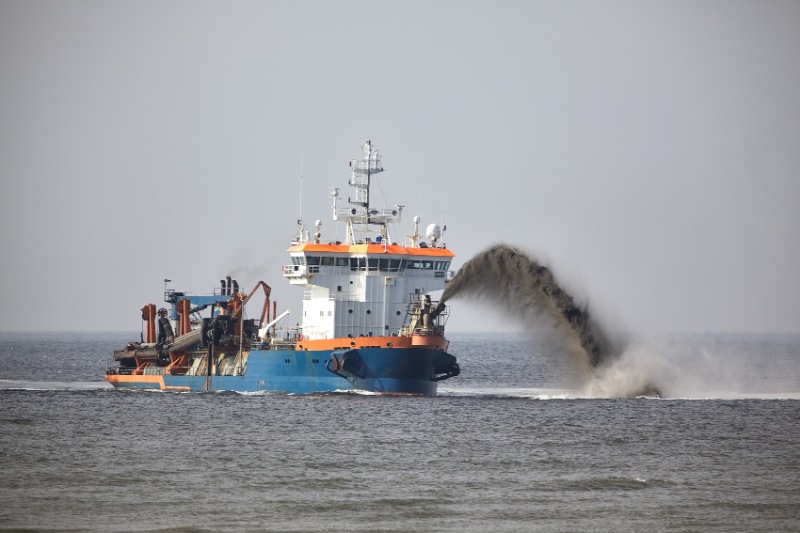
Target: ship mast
360,216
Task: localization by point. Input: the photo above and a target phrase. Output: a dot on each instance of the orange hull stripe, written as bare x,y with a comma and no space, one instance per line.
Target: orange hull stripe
427,341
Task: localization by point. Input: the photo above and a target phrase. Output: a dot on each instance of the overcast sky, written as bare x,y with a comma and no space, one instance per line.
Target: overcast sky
648,151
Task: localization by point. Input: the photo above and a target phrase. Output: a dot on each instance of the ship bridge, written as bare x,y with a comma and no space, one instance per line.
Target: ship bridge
364,286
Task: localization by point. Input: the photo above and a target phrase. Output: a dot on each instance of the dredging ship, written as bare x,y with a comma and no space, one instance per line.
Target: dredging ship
368,321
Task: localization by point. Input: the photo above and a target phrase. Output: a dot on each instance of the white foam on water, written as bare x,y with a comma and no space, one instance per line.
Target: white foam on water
511,392
10,384
574,394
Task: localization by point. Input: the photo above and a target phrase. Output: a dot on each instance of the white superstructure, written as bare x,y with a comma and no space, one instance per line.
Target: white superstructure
364,286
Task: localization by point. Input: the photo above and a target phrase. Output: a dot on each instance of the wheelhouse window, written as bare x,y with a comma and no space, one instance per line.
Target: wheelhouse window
389,265
382,264
358,263
416,264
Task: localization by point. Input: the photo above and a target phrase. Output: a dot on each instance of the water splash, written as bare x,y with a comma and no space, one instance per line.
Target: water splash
520,284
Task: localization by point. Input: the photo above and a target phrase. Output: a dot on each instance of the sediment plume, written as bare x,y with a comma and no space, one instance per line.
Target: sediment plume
510,278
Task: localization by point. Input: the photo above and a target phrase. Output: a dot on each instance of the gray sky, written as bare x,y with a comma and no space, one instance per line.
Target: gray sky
649,151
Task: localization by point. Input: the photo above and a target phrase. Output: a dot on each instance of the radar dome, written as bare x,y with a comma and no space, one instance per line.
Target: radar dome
433,232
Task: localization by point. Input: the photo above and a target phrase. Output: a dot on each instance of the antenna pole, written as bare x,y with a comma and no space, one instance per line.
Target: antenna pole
301,231
369,175
300,219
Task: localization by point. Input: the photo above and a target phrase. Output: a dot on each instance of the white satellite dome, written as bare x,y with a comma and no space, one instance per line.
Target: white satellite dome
433,232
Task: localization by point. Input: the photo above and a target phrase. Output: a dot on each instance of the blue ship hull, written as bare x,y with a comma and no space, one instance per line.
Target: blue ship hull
379,370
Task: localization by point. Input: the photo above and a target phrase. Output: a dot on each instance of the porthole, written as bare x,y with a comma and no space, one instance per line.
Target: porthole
369,312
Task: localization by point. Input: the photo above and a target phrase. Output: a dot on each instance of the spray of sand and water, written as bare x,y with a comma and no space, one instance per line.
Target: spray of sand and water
528,290
525,288
619,367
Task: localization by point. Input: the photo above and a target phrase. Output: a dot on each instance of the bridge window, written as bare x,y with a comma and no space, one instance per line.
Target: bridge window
312,260
342,261
358,263
420,265
326,261
389,265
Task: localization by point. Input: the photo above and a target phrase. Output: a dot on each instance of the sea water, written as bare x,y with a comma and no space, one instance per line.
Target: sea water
517,442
